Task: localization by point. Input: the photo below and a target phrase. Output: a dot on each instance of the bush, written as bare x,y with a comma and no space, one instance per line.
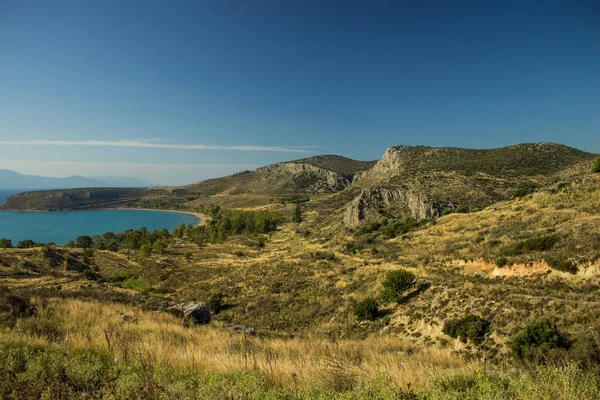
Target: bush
521,192
596,167
536,341
5,243
586,350
187,255
215,302
396,283
13,307
297,216
542,243
26,244
366,310
562,264
501,262
471,327
84,242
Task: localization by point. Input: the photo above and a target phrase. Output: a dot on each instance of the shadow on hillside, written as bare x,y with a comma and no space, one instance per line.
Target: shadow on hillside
415,293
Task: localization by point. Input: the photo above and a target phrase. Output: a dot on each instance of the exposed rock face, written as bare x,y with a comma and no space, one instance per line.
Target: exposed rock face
196,311
308,177
402,201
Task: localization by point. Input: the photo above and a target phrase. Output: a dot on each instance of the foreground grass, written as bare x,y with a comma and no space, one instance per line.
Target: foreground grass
52,373
77,349
156,338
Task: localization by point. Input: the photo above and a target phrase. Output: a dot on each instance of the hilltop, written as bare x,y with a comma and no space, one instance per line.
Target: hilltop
426,182
408,181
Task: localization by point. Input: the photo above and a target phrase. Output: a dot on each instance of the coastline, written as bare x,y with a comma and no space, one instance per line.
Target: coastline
201,217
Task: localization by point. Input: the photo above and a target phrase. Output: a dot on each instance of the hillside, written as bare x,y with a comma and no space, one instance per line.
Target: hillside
425,182
284,295
314,175
319,174
298,290
74,199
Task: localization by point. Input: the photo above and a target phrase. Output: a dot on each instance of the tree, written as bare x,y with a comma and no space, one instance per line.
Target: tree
471,327
537,340
146,250
5,243
26,244
396,283
159,246
112,246
83,242
596,167
297,217
215,302
366,310
70,244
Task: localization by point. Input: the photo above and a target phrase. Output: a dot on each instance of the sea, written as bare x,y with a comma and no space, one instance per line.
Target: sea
60,227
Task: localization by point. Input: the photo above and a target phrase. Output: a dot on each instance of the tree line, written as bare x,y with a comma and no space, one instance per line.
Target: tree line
222,225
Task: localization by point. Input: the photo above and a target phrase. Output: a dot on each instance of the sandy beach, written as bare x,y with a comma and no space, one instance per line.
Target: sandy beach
201,217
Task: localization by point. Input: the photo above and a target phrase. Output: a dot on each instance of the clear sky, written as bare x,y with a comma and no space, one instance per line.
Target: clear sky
178,91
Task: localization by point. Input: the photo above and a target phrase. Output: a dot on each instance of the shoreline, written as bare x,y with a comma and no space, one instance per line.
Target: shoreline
201,217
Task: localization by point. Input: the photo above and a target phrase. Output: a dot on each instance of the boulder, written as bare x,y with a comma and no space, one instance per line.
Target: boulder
196,311
244,329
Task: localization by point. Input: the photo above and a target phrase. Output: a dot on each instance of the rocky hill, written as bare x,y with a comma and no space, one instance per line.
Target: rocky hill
320,174
73,199
426,182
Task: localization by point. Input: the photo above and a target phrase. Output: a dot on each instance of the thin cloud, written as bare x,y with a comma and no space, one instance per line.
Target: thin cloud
8,163
157,144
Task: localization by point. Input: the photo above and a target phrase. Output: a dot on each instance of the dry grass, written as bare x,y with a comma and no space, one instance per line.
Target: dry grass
160,338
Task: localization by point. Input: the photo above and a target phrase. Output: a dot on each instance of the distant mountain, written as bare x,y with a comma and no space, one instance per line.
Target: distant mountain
13,180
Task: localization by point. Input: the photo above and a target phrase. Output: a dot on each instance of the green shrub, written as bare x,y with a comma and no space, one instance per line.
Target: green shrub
324,255
396,283
187,255
5,243
542,243
40,325
239,253
13,307
537,340
586,350
501,262
84,242
596,167
562,264
521,192
471,327
297,216
26,244
366,310
215,302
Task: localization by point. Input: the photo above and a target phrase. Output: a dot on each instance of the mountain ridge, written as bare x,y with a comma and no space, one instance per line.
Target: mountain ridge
10,179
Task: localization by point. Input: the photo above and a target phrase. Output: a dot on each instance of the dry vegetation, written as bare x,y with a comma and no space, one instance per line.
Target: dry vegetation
507,265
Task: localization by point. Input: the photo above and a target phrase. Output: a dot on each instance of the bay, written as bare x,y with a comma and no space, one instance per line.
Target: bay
60,227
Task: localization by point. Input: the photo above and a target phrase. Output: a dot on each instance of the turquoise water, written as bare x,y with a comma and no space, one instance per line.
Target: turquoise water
60,227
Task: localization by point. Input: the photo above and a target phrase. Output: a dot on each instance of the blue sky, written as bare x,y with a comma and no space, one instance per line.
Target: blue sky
179,91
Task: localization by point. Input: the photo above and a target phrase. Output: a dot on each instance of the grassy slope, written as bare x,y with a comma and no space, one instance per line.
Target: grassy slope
299,291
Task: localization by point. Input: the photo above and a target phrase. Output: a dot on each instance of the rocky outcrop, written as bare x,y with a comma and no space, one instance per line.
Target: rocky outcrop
401,202
196,311
307,177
